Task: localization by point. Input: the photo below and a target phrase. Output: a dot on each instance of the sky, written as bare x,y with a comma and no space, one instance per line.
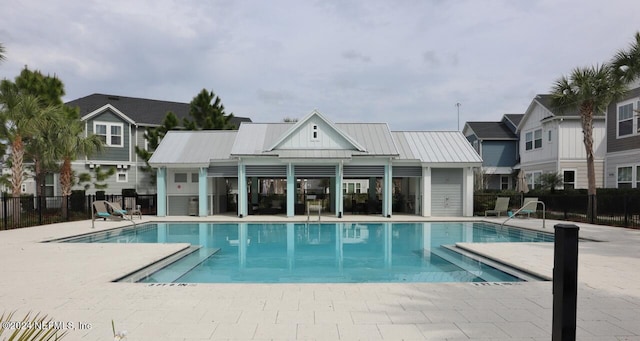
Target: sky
403,62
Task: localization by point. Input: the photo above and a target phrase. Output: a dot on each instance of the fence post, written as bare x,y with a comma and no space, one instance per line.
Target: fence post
5,207
626,211
565,282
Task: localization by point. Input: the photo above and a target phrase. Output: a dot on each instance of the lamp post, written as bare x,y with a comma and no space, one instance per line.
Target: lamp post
458,106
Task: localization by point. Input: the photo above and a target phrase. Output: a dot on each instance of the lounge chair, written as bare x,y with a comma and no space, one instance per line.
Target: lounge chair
115,208
502,205
529,206
101,210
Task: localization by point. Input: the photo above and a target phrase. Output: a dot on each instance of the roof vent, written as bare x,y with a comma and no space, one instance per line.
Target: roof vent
115,98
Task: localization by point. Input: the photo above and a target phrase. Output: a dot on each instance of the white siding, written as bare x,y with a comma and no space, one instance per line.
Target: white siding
620,159
327,138
572,140
446,192
532,123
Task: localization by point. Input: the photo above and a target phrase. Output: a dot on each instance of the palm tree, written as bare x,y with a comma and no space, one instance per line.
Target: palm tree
22,117
2,52
70,143
589,90
626,63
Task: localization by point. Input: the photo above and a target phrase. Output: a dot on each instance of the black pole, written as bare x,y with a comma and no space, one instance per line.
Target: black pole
565,282
5,207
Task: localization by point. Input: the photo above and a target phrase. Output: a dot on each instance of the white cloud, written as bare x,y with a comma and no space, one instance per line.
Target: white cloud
406,62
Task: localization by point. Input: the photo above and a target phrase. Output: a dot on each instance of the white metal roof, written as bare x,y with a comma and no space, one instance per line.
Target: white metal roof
193,148
256,138
199,148
435,147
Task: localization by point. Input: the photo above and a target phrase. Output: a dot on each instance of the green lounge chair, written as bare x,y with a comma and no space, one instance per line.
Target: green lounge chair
502,205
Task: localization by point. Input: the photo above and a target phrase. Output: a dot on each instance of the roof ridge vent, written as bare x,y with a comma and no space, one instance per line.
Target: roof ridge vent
115,98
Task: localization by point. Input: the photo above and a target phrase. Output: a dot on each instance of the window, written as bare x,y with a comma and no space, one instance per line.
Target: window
180,178
504,182
351,188
549,135
533,139
625,119
314,133
533,179
358,188
109,133
625,177
528,141
537,139
194,178
569,179
121,175
637,176
49,185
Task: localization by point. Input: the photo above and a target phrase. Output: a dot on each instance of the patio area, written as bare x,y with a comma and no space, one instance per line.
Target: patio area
71,283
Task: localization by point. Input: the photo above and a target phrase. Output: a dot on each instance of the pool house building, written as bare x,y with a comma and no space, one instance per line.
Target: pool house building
314,164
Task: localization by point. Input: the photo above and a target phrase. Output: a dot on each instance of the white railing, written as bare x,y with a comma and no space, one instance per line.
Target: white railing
513,215
314,206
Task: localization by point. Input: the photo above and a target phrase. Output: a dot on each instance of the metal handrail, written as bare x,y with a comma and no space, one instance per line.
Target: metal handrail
309,210
523,207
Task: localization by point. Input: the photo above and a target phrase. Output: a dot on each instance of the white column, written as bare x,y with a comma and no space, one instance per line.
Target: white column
339,195
161,190
387,190
291,191
242,190
426,192
467,192
202,192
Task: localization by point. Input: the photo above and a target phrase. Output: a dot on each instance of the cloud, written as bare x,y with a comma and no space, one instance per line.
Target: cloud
356,56
406,63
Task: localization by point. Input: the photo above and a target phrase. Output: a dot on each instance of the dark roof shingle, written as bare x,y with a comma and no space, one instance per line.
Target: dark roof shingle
141,110
491,130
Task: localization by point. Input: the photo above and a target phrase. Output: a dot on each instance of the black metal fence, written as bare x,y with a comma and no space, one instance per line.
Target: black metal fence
32,210
617,207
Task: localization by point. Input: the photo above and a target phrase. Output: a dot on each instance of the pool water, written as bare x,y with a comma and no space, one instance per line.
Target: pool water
321,252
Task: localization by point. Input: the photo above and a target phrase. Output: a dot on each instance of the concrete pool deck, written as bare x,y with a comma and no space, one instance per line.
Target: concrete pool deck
71,283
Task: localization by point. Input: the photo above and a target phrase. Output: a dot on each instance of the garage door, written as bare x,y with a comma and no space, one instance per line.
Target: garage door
446,192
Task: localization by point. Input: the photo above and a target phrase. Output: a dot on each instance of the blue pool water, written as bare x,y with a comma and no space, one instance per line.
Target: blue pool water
326,252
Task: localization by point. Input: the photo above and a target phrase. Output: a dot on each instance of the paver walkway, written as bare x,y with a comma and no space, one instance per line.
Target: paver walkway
72,284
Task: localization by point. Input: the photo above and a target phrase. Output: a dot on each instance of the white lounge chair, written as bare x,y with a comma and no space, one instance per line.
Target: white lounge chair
502,205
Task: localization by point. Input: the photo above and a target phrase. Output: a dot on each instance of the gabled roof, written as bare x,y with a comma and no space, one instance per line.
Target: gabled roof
193,148
545,101
444,147
256,139
513,118
140,110
492,131
304,121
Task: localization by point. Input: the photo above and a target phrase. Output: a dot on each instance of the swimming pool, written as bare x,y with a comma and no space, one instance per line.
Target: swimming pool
320,252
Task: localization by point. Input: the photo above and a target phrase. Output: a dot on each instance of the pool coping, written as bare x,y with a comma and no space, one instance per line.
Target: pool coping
72,283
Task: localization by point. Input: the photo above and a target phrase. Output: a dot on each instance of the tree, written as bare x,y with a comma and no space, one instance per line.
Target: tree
69,142
626,63
2,53
589,90
153,136
22,117
551,180
207,113
48,92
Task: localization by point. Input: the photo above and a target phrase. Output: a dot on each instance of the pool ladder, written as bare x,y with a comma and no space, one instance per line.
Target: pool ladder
319,207
525,206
